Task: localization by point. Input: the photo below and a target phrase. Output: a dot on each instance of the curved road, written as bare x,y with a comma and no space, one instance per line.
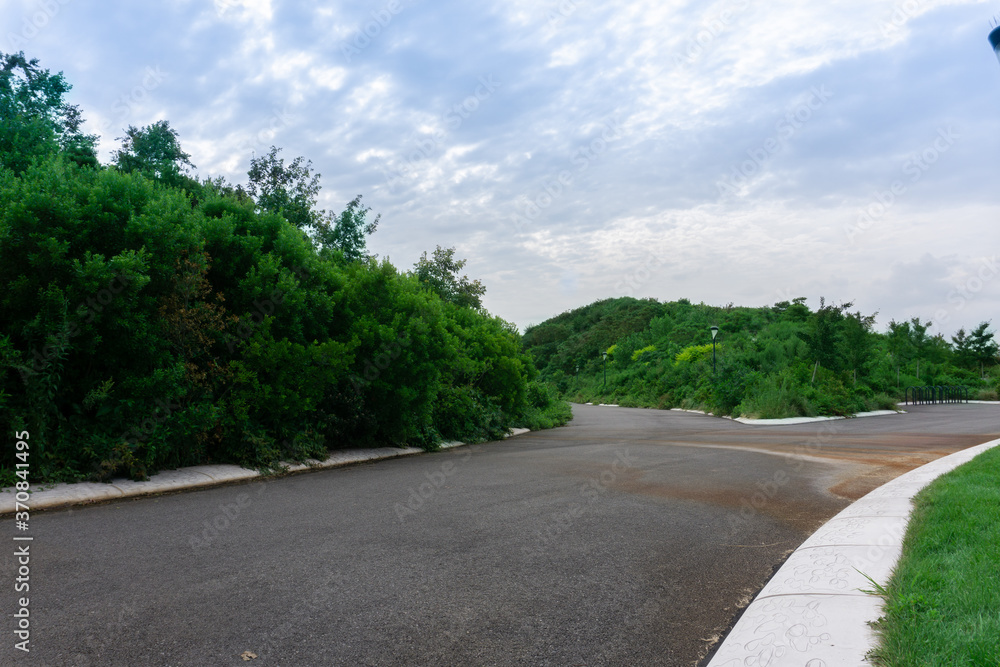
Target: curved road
629,537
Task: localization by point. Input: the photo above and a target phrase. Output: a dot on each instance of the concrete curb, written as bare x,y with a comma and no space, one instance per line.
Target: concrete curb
812,611
788,421
170,481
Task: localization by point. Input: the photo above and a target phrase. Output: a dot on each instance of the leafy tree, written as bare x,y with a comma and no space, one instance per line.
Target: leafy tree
824,334
920,340
977,348
347,232
856,341
142,327
961,343
153,150
796,311
984,347
290,191
440,274
35,119
898,343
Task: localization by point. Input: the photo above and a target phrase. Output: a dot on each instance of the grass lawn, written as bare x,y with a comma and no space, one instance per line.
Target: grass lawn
942,605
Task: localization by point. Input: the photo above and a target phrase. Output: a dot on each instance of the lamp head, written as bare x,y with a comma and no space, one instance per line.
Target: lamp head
715,332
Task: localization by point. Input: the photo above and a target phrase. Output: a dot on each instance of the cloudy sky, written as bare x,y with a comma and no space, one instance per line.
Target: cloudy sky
737,151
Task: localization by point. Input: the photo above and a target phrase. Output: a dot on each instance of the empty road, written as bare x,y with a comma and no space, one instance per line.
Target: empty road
629,537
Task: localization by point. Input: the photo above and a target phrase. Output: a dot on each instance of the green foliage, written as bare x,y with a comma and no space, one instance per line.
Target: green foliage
290,191
148,321
440,275
637,354
661,356
145,330
777,397
577,338
977,348
543,410
346,233
35,120
693,354
153,151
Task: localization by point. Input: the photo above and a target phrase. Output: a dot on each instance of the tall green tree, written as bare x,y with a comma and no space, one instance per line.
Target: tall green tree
975,349
857,342
35,119
898,343
290,190
824,334
440,274
795,311
155,151
347,231
920,341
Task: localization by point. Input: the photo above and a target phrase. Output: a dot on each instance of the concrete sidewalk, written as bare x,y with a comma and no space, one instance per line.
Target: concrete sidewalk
812,611
170,481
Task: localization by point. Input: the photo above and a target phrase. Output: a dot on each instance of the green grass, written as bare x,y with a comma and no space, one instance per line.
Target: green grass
556,414
942,605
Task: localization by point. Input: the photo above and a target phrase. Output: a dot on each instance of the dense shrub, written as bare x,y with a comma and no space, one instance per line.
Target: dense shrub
147,327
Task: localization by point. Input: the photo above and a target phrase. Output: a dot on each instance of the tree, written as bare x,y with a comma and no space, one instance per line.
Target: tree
977,348
35,120
153,150
961,346
919,340
795,311
290,191
898,343
856,341
824,332
440,275
347,232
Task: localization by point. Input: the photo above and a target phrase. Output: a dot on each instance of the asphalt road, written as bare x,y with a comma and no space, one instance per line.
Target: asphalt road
629,537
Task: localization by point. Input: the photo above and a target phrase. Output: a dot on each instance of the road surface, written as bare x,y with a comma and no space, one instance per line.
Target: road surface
629,537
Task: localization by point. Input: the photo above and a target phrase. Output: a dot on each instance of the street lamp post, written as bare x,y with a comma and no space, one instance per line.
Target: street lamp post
605,372
715,332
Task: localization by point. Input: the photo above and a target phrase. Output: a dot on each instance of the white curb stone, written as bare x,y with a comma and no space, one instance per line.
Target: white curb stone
194,477
812,612
790,421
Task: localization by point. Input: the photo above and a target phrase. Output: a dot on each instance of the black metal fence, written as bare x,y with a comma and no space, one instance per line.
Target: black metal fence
938,394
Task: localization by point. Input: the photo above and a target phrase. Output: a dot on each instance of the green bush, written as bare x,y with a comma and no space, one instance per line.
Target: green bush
145,327
766,358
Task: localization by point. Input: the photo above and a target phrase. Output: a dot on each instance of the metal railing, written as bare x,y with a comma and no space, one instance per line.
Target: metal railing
937,394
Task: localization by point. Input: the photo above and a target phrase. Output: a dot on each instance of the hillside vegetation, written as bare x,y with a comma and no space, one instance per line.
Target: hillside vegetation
151,320
778,361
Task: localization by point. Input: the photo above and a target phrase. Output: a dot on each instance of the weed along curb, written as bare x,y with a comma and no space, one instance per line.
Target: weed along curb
813,610
789,421
171,481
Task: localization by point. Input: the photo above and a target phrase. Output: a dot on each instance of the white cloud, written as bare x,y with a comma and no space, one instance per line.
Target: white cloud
697,87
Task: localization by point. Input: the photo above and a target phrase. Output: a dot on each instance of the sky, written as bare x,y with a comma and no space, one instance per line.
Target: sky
739,151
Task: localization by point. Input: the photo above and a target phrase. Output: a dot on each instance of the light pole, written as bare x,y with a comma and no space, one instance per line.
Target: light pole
715,332
605,372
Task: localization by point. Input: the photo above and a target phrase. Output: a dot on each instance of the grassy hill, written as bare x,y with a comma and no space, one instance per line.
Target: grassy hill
776,361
